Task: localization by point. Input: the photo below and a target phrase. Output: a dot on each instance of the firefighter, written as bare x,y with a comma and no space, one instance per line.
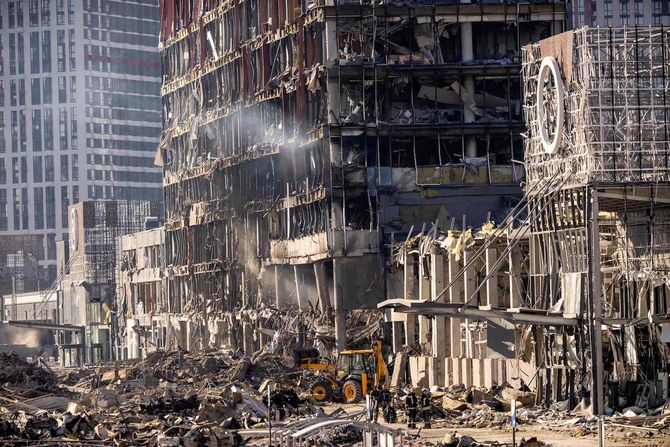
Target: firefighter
410,409
426,408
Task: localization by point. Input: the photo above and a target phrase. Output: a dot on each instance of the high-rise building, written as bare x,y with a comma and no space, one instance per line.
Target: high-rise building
80,118
619,13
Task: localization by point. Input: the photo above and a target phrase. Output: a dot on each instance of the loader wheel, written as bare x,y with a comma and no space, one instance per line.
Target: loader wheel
352,392
321,391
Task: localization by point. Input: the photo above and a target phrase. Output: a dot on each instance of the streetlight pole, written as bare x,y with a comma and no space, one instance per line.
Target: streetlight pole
269,414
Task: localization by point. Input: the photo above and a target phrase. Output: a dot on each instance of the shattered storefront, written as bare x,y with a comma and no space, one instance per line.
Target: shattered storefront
302,138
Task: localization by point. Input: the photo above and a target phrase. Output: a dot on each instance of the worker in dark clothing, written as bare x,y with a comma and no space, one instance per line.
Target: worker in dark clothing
410,409
375,402
426,408
386,396
388,408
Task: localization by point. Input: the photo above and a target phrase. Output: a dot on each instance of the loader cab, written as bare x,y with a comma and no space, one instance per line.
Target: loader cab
355,364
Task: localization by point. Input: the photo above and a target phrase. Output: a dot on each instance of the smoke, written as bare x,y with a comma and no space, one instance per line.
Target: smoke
31,338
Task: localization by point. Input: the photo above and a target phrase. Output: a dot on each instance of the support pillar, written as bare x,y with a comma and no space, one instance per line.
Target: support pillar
455,292
297,287
398,334
440,338
514,278
595,292
408,279
321,285
276,287
332,54
340,313
469,286
247,326
492,282
468,86
425,329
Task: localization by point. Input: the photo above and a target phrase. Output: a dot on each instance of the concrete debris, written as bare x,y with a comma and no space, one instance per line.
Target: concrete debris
15,371
220,398
168,399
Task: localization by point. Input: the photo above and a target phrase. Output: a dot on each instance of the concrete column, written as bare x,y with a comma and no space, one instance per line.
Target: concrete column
276,287
469,286
455,293
466,372
408,292
247,327
424,279
332,54
514,278
425,329
468,86
248,345
441,340
321,285
492,282
340,313
408,321
408,278
297,288
595,292
336,208
398,336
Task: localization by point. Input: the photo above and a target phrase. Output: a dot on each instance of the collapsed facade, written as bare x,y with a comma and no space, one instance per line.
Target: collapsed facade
599,142
141,301
581,281
302,139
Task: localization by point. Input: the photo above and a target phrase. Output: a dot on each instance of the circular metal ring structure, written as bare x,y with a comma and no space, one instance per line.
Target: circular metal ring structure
550,142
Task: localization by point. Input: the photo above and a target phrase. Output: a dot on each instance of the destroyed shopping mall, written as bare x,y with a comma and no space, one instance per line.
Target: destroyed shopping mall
352,156
482,191
304,141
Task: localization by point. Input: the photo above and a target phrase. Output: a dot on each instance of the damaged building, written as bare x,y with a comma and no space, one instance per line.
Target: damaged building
86,285
573,285
144,316
302,139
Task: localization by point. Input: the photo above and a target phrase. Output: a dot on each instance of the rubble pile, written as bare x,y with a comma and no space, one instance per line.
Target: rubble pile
460,408
16,371
168,399
463,407
214,398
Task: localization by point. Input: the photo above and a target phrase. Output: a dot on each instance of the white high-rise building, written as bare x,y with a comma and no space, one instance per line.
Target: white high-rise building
80,119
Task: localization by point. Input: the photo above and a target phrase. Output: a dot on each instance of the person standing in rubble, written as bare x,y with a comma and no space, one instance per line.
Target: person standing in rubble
375,402
426,408
387,407
410,409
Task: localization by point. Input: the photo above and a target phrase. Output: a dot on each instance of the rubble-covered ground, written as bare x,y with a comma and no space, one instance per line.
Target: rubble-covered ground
219,398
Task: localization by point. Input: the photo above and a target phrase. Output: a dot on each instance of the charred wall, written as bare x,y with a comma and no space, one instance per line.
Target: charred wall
298,136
